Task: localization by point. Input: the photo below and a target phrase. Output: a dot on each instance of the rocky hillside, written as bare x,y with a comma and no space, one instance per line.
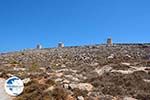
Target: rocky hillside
97,72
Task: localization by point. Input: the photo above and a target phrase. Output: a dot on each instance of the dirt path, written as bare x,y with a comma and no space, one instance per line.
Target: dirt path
3,94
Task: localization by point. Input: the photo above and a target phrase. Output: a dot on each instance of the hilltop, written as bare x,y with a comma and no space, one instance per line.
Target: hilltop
94,72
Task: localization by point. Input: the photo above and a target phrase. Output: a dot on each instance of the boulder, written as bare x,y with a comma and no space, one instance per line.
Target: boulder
103,70
129,98
80,98
82,86
26,80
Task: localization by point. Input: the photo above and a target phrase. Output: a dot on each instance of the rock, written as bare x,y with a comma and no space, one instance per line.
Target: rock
63,66
58,80
1,73
59,74
131,70
62,70
129,98
56,64
72,78
55,74
111,56
80,76
85,86
146,80
10,75
43,69
74,71
49,89
106,97
72,86
42,81
94,64
94,94
126,64
127,55
65,81
80,98
123,71
19,69
66,70
103,70
66,86
26,80
82,86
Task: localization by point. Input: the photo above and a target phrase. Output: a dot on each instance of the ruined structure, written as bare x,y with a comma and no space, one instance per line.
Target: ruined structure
109,42
60,45
39,46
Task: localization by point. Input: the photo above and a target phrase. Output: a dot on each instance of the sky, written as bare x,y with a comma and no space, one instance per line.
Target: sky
26,23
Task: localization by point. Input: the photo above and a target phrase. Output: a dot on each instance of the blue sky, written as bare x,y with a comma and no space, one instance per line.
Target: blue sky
25,23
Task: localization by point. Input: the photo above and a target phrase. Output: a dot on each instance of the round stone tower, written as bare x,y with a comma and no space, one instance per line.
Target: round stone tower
109,42
39,46
60,45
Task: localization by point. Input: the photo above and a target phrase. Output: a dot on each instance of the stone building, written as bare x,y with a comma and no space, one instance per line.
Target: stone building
60,45
39,46
109,42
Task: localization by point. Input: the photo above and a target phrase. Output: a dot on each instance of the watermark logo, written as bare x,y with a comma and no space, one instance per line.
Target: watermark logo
14,86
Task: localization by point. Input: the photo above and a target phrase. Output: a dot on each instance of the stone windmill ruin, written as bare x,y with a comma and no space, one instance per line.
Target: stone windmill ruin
60,45
109,42
39,46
